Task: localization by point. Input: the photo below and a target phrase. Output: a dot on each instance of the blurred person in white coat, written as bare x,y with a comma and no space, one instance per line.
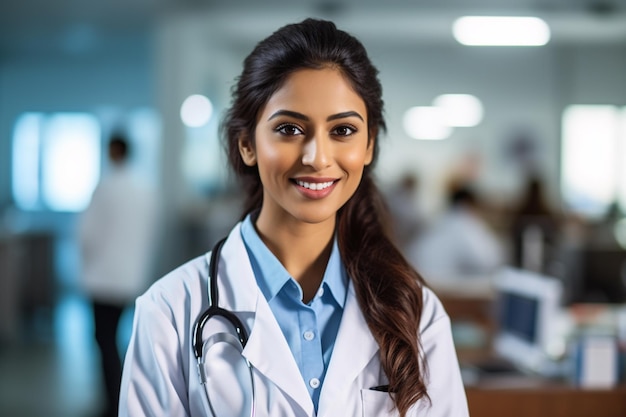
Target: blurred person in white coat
318,313
459,243
116,241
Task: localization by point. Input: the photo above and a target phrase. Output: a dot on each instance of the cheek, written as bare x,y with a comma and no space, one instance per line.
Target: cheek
272,160
266,157
354,160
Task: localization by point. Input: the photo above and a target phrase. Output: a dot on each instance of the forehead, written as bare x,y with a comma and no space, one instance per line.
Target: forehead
316,92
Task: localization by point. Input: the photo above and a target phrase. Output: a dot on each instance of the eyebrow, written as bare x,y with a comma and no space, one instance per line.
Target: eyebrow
301,116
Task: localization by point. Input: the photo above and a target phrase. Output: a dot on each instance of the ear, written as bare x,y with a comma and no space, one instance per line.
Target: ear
369,152
246,150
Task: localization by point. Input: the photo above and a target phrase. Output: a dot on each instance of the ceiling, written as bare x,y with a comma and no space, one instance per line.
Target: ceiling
37,26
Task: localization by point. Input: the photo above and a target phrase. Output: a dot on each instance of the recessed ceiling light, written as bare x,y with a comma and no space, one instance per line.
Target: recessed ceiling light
196,110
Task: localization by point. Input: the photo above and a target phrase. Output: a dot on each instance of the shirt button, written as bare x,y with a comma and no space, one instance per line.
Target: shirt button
308,335
314,383
320,292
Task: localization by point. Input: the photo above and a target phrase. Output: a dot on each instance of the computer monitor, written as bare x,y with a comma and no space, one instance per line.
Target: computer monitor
528,307
595,275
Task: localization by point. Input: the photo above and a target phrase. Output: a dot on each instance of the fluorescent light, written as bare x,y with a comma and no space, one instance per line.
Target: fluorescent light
501,31
427,123
460,110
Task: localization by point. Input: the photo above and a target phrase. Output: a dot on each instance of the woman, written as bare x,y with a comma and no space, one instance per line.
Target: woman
339,324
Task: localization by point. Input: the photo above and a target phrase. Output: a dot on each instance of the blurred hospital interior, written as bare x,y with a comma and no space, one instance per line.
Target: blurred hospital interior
503,165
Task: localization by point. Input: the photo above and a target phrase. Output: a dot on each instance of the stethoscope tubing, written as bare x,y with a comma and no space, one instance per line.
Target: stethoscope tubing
215,310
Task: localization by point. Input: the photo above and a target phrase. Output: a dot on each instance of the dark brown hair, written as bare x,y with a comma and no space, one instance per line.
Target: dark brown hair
387,288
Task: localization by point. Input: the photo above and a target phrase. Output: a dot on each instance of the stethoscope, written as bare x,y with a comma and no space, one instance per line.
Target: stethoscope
239,342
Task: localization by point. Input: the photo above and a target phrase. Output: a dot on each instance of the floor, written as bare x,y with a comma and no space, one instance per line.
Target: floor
52,371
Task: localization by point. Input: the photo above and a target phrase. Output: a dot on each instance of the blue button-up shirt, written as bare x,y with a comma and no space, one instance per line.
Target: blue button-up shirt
310,329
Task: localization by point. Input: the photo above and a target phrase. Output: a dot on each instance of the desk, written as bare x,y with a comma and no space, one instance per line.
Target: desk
522,396
471,305
545,400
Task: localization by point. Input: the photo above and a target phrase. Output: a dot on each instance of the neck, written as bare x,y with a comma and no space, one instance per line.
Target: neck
302,248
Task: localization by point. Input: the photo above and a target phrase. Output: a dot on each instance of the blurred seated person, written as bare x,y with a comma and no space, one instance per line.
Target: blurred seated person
534,229
459,243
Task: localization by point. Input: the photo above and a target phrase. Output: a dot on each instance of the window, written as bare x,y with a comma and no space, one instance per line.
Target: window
56,161
593,158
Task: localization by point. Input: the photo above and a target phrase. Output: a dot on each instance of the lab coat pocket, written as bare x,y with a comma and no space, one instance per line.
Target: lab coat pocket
377,403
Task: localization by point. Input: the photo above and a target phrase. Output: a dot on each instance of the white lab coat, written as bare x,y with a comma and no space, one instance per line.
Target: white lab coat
160,377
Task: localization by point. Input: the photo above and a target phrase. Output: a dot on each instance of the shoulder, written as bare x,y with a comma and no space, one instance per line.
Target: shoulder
178,292
433,312
184,290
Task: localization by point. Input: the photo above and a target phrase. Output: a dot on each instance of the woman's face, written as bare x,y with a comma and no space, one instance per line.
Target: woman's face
311,147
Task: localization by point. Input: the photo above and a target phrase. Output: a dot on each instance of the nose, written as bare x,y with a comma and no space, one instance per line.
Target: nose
316,152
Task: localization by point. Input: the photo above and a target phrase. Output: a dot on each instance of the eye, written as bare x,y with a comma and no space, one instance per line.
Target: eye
288,129
344,130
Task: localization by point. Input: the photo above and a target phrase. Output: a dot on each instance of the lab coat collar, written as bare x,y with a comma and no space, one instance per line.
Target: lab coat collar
267,349
237,287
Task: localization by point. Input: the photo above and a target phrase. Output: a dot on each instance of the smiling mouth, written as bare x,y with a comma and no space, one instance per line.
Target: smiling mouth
315,186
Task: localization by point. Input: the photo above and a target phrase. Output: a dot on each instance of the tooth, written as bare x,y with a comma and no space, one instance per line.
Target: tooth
315,185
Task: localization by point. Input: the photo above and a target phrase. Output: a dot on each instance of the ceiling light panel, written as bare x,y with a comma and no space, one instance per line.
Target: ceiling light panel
501,31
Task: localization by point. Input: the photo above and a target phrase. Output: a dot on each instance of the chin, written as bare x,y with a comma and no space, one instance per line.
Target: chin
315,216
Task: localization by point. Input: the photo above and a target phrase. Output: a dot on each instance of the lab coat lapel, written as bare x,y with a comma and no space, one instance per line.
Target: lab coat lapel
237,286
268,352
267,349
354,348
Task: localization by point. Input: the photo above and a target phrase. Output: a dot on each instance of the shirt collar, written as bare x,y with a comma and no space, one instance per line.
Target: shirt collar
335,276
271,275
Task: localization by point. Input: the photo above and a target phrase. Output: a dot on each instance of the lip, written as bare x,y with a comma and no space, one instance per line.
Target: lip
314,194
